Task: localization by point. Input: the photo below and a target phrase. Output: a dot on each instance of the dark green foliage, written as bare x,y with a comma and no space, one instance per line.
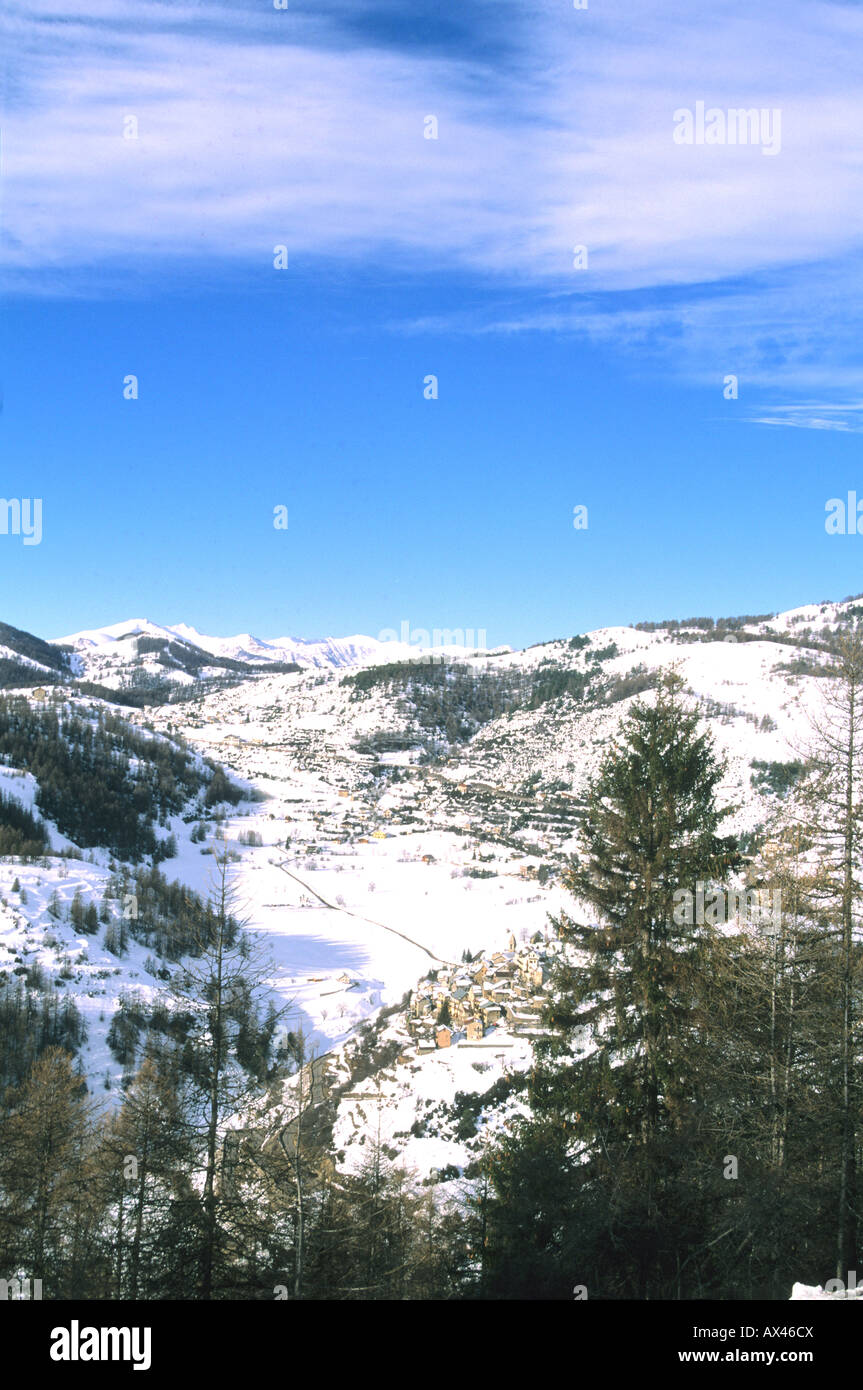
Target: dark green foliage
554,683
529,1217
803,666
444,698
125,1030
165,849
707,624
20,831
609,1207
33,1018
221,788
650,828
35,649
170,919
255,1034
634,682
776,777
468,1106
14,675
185,656
606,653
678,1049
674,624
449,701
102,781
744,620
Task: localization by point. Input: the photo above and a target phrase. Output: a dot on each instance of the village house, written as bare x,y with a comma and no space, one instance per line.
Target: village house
531,970
460,1008
463,1001
490,1013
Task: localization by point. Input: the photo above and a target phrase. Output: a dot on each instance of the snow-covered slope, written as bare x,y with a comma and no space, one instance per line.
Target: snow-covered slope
367,865
117,643
328,651
114,634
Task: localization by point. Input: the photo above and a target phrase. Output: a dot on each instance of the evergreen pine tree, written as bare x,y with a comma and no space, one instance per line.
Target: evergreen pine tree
650,830
617,1082
146,1150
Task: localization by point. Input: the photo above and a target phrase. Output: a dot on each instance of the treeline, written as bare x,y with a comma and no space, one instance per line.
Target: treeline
164,1198
15,674
718,625
33,1017
180,655
102,781
777,778
139,1030
34,648
116,1209
191,659
21,833
694,1125
169,919
449,701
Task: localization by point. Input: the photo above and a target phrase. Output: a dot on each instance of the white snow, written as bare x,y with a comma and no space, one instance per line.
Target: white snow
373,886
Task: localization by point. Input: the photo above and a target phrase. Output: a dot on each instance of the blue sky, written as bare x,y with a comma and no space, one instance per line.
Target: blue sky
409,257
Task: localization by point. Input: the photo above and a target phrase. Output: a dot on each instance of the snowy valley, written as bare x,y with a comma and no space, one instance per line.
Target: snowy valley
388,822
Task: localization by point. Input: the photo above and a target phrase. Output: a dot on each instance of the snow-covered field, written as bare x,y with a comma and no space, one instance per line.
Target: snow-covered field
391,917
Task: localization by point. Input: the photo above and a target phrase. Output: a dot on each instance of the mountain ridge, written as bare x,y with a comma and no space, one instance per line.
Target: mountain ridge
323,653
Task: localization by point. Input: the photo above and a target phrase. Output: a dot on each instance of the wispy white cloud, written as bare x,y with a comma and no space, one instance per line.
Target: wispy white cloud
845,418
809,422
259,127
785,332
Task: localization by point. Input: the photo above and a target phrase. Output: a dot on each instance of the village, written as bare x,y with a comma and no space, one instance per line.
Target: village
497,992
362,797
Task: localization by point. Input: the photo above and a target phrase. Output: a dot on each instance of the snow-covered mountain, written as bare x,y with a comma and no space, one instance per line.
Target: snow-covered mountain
325,652
98,652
